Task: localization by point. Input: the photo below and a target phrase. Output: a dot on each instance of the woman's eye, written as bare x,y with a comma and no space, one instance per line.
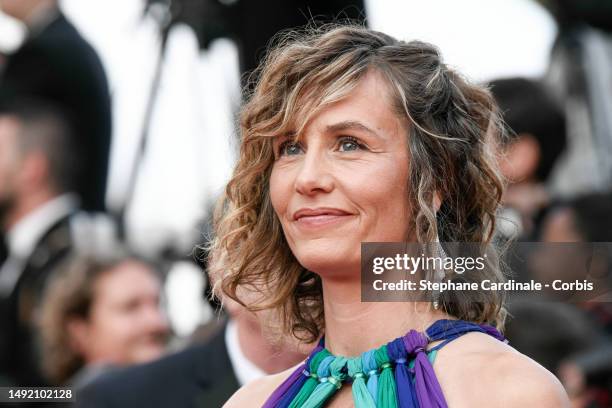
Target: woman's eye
348,144
289,148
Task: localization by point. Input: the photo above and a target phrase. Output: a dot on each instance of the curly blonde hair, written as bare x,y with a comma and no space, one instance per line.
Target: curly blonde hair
452,126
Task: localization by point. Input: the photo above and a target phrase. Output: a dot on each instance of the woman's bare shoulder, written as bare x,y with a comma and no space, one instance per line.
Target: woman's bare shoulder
523,382
498,374
255,393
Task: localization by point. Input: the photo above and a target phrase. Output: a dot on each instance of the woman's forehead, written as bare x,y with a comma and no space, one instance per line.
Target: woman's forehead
367,107
367,103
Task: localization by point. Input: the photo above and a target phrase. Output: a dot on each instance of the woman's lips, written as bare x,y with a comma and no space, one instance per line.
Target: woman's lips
320,217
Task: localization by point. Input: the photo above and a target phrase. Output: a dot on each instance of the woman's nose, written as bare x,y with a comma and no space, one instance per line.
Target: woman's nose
314,174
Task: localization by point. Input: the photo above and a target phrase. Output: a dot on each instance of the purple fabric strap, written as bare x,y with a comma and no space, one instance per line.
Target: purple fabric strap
492,331
428,390
285,392
295,378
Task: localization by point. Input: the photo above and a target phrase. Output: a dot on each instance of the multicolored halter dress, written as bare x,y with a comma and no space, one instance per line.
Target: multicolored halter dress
398,374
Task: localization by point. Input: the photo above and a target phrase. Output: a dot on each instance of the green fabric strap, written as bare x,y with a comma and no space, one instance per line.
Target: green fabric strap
361,395
387,394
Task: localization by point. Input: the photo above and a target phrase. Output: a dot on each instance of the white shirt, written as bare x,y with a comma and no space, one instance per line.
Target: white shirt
23,237
244,369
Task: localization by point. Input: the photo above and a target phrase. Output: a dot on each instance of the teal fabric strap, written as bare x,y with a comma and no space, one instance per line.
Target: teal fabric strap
361,395
371,368
387,394
331,377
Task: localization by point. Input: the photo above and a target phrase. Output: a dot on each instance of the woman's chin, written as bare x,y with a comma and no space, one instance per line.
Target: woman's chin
333,266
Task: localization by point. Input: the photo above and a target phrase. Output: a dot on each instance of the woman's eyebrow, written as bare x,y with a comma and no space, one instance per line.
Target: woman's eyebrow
283,136
351,125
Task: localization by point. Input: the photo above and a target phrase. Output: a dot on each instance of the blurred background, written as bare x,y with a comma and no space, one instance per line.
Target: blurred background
117,134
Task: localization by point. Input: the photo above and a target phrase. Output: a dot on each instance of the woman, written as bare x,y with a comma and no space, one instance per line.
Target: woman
99,313
351,136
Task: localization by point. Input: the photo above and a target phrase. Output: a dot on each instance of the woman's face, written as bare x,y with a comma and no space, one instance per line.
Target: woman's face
345,181
126,324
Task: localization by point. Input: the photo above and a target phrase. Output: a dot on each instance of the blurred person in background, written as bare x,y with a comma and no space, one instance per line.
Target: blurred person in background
37,171
564,340
203,375
100,313
586,218
537,137
587,373
56,64
587,377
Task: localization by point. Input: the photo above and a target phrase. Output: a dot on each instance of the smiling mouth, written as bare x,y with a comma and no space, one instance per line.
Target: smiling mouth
320,216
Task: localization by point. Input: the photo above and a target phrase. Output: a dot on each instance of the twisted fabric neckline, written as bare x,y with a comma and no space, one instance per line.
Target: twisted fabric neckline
380,377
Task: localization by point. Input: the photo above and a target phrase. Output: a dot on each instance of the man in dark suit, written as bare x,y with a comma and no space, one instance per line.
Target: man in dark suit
56,64
36,172
199,376
204,375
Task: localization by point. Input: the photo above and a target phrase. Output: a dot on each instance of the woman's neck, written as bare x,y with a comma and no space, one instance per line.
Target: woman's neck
352,326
